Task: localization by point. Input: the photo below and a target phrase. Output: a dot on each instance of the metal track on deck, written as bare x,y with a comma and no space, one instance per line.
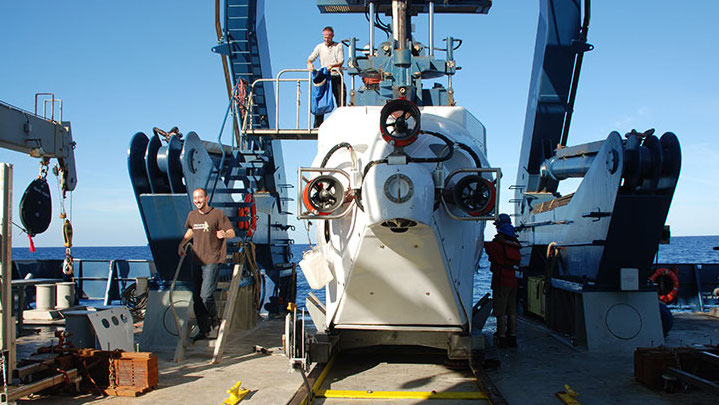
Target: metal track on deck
372,383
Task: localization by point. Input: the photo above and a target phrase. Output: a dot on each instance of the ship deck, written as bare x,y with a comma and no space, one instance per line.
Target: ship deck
530,374
543,363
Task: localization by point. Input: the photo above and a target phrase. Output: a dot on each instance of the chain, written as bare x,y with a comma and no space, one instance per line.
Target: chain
113,379
56,171
67,233
43,169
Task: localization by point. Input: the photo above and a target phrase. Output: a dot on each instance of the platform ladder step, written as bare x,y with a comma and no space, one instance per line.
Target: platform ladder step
184,338
238,162
234,204
253,174
225,321
237,167
241,190
228,313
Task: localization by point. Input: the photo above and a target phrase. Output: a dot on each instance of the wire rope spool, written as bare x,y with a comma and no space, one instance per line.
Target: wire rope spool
399,122
323,195
474,195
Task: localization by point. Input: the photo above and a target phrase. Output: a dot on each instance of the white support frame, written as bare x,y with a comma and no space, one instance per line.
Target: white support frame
303,181
6,330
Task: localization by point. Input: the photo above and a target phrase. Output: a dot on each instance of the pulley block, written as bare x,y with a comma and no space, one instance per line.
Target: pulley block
474,195
36,207
323,195
399,122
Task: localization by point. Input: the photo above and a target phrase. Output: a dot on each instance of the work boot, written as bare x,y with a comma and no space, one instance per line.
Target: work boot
215,323
511,340
199,336
500,341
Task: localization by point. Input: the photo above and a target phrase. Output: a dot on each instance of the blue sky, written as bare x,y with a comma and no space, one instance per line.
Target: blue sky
124,67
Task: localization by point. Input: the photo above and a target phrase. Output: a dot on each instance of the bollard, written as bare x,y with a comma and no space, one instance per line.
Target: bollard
45,297
65,295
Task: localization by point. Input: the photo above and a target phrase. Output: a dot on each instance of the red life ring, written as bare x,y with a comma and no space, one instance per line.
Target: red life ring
244,212
672,274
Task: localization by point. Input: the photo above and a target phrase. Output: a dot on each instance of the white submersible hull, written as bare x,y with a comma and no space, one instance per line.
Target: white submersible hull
399,224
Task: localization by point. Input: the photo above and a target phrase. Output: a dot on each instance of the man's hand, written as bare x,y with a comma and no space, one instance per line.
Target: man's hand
221,234
183,243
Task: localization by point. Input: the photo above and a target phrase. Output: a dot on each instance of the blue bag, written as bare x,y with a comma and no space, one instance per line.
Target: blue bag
322,101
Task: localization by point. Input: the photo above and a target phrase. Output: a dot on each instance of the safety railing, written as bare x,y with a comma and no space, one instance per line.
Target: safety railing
224,154
289,133
52,101
106,279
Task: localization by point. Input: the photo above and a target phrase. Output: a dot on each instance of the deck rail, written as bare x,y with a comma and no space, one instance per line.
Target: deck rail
298,132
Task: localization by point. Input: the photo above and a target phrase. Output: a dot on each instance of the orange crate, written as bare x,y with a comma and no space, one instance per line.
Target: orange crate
135,373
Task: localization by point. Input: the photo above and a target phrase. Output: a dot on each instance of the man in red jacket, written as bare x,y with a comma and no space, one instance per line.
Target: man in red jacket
504,256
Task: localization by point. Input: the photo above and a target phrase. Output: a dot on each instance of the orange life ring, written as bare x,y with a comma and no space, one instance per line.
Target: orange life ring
249,225
672,274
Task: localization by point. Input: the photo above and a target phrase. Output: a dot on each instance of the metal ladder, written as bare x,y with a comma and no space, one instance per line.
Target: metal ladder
251,166
240,44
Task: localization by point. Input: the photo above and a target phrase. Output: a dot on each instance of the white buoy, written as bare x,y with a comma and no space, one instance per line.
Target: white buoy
45,297
65,295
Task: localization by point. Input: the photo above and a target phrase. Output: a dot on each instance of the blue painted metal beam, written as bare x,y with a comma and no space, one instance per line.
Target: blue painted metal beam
414,6
558,43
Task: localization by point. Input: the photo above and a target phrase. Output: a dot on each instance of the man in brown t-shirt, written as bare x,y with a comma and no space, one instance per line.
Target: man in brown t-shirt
208,228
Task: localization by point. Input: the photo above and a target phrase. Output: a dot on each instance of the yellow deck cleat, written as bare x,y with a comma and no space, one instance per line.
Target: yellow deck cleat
236,394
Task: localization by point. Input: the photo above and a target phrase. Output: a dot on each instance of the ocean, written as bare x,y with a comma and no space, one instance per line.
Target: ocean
682,249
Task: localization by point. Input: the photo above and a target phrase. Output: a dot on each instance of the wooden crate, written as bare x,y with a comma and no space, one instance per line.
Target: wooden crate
650,363
135,373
